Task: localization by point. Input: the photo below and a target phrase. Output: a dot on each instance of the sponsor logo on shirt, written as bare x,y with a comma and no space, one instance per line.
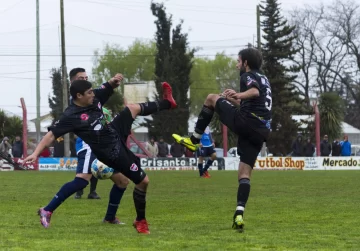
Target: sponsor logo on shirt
84,116
250,80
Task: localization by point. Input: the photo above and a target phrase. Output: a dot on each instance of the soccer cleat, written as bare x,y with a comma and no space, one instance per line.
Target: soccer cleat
167,94
93,195
45,217
141,226
114,221
186,142
206,173
238,223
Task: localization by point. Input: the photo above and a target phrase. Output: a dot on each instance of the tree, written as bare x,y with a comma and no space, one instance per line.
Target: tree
136,63
10,126
56,101
173,64
211,76
278,51
331,108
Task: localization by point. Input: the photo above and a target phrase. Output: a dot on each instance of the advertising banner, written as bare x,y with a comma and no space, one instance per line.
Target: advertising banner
57,164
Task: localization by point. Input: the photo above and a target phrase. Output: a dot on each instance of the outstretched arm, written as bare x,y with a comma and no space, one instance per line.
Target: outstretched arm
45,142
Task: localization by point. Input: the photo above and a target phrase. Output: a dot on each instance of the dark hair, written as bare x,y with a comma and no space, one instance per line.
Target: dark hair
253,58
79,86
75,71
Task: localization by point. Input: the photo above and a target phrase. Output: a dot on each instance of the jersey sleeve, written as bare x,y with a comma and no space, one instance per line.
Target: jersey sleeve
249,81
104,92
64,125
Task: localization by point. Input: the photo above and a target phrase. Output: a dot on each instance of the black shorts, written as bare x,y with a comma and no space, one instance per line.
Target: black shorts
205,151
121,158
250,141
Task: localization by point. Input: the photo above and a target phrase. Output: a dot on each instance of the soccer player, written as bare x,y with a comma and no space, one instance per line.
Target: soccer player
251,122
83,151
206,149
107,141
85,159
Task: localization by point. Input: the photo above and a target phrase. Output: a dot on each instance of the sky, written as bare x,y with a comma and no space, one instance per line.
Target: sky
215,26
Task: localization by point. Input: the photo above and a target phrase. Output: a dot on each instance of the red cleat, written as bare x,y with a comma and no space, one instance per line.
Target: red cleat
141,226
206,174
167,94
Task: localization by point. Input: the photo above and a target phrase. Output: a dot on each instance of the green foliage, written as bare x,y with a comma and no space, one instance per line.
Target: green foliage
56,100
331,108
277,50
211,76
10,126
136,63
173,64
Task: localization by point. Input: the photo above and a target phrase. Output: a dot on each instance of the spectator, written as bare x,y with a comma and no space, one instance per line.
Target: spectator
336,148
152,148
177,150
309,148
345,146
325,147
163,148
17,148
297,147
5,146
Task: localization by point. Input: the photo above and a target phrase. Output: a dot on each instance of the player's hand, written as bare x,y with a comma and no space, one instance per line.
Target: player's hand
229,93
116,80
200,145
31,158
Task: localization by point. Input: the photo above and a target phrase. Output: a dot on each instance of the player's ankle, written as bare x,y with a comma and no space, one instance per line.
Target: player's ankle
194,140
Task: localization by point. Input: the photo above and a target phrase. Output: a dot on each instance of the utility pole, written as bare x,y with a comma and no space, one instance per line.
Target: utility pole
258,27
64,76
37,124
263,152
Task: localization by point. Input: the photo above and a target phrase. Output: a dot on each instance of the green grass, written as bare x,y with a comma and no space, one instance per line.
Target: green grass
287,210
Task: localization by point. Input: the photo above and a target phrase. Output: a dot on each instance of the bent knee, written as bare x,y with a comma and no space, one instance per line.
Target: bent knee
135,109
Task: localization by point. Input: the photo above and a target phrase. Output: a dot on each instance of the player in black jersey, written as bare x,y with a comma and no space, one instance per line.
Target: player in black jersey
251,122
84,117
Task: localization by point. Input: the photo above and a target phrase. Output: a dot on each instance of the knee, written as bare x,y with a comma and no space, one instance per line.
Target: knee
211,99
134,109
120,180
143,184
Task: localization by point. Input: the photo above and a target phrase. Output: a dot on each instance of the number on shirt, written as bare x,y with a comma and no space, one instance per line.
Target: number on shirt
268,103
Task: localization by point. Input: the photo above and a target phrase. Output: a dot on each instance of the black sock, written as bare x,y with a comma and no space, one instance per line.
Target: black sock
242,196
152,107
200,166
65,191
116,194
140,203
93,184
203,121
208,164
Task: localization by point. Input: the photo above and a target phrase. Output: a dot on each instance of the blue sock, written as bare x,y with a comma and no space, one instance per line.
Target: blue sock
200,166
116,194
65,192
208,164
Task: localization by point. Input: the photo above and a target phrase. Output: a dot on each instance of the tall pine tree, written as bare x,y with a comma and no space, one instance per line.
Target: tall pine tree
56,101
173,63
278,52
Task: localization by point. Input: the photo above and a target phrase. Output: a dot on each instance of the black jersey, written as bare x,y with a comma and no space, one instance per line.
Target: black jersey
88,123
258,107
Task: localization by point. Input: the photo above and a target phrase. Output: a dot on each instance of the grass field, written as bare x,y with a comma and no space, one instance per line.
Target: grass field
287,210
